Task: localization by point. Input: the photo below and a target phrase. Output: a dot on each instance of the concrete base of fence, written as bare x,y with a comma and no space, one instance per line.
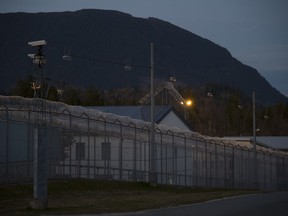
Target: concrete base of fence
39,204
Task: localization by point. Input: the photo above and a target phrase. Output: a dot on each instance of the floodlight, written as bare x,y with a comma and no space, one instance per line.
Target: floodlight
240,106
40,60
189,102
37,43
35,85
67,57
209,94
173,79
31,56
128,68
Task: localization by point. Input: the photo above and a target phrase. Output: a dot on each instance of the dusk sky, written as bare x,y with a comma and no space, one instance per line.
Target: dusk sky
254,31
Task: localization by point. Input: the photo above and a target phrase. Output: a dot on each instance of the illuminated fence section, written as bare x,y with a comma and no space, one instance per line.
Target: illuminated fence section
83,143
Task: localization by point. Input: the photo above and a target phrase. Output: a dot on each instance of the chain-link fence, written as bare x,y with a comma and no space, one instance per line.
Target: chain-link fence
54,140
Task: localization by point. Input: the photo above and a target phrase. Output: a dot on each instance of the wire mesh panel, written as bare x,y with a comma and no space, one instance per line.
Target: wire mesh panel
200,163
211,165
190,161
168,159
180,159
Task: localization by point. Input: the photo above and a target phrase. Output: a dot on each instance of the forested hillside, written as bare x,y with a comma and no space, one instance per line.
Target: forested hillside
217,110
119,37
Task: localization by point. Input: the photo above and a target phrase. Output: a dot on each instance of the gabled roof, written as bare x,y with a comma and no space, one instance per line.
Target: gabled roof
141,112
136,112
131,111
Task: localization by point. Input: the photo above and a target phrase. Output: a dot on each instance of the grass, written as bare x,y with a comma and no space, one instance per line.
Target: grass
91,196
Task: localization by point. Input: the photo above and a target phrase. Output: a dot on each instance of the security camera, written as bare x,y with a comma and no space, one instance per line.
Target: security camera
37,43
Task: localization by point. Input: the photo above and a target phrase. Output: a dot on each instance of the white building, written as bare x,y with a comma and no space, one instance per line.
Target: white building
164,115
264,142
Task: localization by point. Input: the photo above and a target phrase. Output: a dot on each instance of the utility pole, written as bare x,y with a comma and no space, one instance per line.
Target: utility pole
38,85
40,160
152,174
254,144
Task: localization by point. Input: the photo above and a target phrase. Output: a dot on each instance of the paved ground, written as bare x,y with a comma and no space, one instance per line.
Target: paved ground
275,204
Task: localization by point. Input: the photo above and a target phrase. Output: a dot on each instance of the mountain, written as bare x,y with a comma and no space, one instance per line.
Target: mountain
97,35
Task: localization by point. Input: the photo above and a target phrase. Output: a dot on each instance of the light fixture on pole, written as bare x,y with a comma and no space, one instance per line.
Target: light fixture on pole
40,171
152,174
40,60
254,143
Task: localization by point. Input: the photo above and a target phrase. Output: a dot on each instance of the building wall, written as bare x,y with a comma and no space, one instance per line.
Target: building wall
172,120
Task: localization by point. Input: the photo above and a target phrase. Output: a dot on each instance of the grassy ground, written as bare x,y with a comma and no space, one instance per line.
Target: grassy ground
89,196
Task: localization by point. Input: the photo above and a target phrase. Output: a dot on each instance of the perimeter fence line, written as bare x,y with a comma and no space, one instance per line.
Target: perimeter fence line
75,142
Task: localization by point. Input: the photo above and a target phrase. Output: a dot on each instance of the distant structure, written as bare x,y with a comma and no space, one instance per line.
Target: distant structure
164,115
276,143
39,84
167,95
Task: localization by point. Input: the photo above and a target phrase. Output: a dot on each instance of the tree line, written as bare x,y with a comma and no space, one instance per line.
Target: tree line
217,110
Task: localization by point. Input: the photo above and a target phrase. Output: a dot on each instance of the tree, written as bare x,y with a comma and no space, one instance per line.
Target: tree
91,97
23,88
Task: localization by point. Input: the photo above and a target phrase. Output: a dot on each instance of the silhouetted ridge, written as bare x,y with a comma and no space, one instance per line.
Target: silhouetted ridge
117,36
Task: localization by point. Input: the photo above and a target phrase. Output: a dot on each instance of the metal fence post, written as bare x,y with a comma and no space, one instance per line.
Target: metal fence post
7,143
216,166
225,169
185,161
28,143
134,154
88,151
121,155
196,164
233,167
206,164
40,168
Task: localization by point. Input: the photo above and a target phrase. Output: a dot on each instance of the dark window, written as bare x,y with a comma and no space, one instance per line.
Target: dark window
106,151
80,151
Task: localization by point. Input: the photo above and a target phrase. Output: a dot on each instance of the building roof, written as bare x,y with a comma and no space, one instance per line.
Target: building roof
141,112
275,142
131,111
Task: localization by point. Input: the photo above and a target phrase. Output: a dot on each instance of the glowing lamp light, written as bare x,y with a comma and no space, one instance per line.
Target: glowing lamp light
189,102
